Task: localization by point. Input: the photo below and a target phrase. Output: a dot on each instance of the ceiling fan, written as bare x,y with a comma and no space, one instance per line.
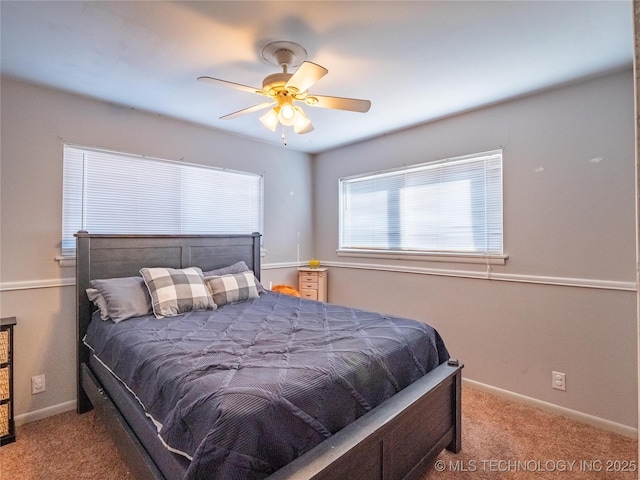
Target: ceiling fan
283,89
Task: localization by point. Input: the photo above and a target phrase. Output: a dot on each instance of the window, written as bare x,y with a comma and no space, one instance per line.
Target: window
109,192
451,206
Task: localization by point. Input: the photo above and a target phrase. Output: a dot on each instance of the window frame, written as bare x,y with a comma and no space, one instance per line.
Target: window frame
488,258
184,169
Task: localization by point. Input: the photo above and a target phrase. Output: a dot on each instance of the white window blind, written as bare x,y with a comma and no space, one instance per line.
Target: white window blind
109,192
447,206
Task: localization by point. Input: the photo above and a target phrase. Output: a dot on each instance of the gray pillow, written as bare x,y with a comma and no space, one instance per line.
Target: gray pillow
238,267
99,301
126,297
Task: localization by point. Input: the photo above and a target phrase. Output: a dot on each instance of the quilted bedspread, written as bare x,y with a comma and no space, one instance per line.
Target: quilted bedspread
245,389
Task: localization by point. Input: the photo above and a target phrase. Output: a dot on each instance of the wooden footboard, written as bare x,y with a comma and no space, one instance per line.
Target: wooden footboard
131,450
397,440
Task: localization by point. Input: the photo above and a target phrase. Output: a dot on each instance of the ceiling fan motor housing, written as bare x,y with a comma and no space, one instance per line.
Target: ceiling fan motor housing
275,82
284,57
284,54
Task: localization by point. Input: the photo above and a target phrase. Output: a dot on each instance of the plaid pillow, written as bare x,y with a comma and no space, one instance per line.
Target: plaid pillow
176,291
238,267
232,288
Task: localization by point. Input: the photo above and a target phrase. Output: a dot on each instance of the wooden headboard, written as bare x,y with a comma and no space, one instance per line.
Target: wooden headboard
111,256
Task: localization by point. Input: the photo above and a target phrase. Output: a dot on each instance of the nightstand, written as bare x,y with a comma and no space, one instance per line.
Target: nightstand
312,283
7,427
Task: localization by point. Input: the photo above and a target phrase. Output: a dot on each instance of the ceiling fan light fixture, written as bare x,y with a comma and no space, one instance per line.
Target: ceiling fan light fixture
302,123
287,114
270,119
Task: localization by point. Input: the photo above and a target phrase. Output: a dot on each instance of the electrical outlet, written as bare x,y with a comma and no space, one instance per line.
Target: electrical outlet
38,384
559,381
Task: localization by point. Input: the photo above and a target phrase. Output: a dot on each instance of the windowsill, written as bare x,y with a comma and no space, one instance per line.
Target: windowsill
426,256
66,260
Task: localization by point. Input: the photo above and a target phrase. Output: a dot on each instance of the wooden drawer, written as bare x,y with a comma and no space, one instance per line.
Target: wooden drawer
310,294
312,283
308,277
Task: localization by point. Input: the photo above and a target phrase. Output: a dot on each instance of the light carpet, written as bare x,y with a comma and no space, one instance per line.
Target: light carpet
502,440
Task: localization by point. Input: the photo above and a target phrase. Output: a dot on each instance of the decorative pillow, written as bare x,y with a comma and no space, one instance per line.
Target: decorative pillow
126,297
176,291
99,301
238,267
233,288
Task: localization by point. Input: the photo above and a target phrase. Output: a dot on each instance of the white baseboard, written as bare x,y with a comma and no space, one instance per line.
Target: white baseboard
44,413
558,410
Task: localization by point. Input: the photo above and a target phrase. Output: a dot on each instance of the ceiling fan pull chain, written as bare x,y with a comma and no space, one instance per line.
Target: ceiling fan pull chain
284,138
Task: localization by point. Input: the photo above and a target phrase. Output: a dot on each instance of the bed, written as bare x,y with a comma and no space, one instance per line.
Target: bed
396,439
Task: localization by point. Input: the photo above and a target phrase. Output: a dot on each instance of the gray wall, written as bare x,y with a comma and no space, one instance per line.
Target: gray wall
565,300
34,288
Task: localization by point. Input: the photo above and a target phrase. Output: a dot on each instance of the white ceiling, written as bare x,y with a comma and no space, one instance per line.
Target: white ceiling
416,61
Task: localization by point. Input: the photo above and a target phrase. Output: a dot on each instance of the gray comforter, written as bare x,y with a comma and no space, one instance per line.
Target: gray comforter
247,388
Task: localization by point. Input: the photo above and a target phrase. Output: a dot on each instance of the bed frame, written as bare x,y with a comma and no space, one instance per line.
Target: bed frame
397,440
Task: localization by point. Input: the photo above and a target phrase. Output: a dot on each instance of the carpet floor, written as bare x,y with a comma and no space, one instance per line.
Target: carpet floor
502,440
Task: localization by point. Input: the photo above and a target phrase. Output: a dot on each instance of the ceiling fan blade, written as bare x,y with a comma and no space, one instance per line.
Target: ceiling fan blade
307,74
244,111
339,103
237,86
